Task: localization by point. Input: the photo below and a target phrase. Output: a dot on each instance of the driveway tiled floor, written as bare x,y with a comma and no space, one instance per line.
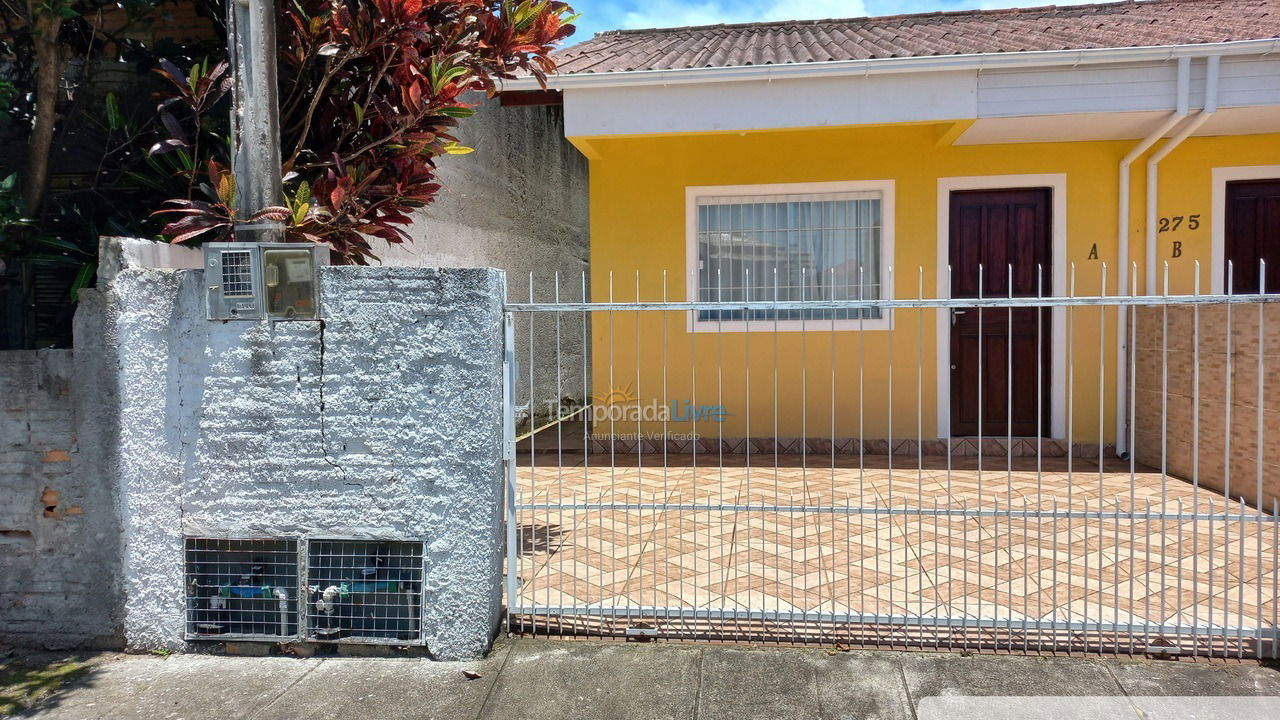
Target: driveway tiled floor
726,537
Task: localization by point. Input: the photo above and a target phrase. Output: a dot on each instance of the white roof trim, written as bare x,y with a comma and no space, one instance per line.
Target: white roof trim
978,61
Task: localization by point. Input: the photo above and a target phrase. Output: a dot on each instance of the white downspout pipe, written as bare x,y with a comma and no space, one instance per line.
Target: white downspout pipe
1153,177
1122,234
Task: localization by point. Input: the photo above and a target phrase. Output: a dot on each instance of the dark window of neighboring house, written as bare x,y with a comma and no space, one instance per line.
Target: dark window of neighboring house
35,304
1253,233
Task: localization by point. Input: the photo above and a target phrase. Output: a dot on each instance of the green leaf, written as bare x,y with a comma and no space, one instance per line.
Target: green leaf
114,120
143,180
303,195
83,278
457,111
359,111
59,244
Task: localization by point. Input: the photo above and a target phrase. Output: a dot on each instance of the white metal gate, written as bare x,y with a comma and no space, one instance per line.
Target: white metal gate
793,484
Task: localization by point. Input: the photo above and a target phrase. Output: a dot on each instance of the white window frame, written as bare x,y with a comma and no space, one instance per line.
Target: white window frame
1218,219
887,218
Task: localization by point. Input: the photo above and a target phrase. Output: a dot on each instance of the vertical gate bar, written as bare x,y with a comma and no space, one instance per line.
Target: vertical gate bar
1195,650
613,476
1071,481
720,385
1226,432
804,436
888,503
920,433
664,517
1039,498
746,449
533,473
1195,467
719,355
804,390
893,320
1195,623
734,227
1132,431
1053,552
1240,584
1008,396
1226,440
995,568
560,417
640,438
1164,440
1146,566
848,553
964,549
1102,382
950,499
944,614
509,450
693,445
862,314
1026,577
1275,576
1008,448
777,486
746,385
588,405
791,543
1115,576
831,363
981,410
1257,497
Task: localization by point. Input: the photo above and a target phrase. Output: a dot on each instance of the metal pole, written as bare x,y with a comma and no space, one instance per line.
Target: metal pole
255,115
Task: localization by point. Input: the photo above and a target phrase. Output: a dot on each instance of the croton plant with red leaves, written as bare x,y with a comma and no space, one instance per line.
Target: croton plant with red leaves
370,91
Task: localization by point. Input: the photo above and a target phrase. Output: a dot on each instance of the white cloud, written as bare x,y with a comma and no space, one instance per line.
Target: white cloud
673,13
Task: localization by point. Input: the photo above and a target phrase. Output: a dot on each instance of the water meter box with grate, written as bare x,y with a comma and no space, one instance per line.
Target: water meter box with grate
241,588
251,281
364,591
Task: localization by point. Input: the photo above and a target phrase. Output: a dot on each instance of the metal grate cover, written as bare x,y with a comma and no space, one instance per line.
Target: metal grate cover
237,273
241,588
365,590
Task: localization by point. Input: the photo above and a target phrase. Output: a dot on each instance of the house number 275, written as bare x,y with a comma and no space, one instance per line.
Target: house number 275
1171,224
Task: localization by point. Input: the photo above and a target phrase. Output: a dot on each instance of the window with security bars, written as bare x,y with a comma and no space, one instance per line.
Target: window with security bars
238,588
237,273
364,590
789,247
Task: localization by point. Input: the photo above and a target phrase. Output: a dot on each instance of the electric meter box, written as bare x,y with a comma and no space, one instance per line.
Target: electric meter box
252,281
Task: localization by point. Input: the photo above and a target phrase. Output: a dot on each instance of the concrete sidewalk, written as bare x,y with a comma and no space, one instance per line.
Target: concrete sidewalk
569,680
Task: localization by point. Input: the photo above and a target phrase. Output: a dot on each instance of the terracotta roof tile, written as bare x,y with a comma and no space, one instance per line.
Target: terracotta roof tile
1117,24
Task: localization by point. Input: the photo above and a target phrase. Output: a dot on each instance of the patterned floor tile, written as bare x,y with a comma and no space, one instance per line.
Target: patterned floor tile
973,541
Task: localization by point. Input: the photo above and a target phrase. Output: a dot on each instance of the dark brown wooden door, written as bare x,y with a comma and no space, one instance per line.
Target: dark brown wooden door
1253,233
994,229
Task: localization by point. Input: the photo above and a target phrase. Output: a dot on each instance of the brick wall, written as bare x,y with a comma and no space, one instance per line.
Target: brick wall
57,537
1213,393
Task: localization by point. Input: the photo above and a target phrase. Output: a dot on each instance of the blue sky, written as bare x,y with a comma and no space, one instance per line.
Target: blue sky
600,15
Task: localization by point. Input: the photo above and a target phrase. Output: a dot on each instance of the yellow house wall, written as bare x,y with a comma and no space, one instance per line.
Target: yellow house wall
638,225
